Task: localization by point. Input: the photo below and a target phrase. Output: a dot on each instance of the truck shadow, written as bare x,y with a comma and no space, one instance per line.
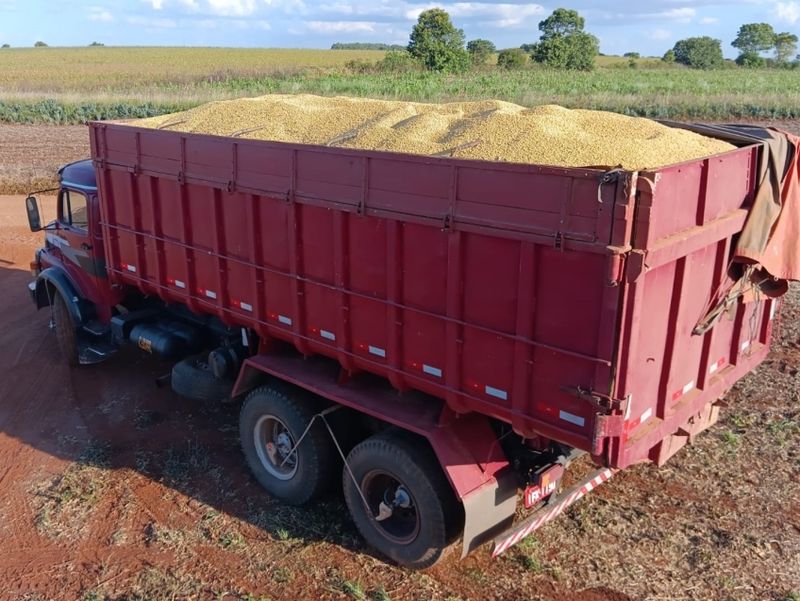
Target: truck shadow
117,410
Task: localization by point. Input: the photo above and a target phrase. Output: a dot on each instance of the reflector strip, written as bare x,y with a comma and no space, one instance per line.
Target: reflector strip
327,334
430,370
773,309
211,294
129,267
716,366
285,320
180,284
571,418
646,415
514,535
496,392
679,393
745,345
245,306
376,350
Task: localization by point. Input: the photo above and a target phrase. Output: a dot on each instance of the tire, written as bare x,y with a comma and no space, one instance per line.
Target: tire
66,331
192,378
278,416
385,464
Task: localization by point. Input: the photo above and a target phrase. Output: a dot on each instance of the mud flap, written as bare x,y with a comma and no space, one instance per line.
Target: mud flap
489,510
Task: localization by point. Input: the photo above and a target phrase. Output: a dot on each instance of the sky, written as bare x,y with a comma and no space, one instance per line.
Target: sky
622,25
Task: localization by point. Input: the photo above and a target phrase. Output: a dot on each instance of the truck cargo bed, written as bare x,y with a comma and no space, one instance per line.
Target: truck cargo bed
560,301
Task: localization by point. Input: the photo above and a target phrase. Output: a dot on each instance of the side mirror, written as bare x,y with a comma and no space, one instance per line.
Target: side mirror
32,207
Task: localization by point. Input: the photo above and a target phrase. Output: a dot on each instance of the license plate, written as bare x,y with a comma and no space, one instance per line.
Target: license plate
545,484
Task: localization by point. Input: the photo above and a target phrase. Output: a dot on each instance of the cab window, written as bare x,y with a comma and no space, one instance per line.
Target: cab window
73,209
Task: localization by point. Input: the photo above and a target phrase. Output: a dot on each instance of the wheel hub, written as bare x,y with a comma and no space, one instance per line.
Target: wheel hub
275,447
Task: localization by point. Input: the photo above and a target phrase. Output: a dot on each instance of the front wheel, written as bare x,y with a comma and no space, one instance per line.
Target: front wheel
66,331
271,423
405,507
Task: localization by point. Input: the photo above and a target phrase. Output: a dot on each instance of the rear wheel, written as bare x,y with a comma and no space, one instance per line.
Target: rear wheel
66,331
271,423
408,510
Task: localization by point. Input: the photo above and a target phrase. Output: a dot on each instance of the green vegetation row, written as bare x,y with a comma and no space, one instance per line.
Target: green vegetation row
56,112
658,93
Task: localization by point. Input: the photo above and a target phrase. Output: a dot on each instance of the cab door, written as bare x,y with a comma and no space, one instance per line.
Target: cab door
79,255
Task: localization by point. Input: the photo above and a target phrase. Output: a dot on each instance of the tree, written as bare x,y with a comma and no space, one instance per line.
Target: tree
513,58
699,53
6,45
669,56
480,51
437,43
564,44
754,38
785,47
632,55
97,44
562,22
40,45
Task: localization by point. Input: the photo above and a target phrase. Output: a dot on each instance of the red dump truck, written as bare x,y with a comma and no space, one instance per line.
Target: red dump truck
446,336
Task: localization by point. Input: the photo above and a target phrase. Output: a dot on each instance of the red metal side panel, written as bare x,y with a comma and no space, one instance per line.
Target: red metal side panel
687,218
501,289
491,286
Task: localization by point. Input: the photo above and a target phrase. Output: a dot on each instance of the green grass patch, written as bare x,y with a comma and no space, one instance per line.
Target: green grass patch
647,91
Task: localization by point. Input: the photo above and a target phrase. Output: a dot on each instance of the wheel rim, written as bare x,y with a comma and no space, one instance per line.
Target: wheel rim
274,443
403,525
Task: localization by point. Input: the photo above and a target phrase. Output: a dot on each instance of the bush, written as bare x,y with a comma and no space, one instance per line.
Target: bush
699,53
512,58
632,55
361,66
480,51
6,46
437,43
751,60
40,45
398,62
669,56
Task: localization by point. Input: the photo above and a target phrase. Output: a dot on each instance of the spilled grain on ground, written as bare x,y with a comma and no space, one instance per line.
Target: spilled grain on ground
489,130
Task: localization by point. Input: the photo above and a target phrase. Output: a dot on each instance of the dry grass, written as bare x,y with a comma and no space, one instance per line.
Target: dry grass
31,155
63,505
90,70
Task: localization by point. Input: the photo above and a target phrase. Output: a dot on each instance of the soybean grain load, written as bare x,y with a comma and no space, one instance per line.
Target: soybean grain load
489,130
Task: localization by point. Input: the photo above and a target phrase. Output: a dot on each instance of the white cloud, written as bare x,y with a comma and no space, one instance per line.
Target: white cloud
680,15
98,13
497,11
660,34
709,21
152,23
788,12
232,8
341,26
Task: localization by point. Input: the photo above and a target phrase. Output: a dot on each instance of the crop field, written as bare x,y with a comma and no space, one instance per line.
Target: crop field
71,85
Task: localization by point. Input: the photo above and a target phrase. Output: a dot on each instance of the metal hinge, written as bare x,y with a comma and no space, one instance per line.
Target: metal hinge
603,402
558,241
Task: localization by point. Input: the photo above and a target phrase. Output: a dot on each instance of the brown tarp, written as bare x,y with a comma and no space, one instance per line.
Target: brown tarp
770,239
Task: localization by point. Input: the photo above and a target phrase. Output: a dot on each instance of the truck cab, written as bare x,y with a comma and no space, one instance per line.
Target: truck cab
70,268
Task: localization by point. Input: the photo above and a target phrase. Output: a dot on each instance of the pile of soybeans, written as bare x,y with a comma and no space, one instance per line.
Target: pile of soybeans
490,130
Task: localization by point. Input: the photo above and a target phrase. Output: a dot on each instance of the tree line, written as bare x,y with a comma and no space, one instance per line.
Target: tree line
436,44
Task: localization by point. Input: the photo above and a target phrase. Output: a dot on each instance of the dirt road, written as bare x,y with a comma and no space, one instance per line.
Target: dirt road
113,488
